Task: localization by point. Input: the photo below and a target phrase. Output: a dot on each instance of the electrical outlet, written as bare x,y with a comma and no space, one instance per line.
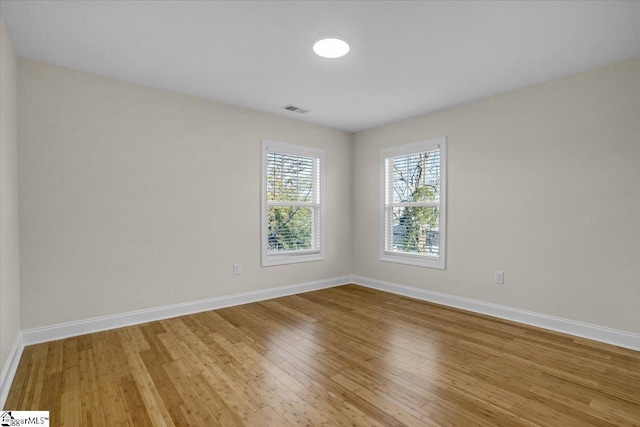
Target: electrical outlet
237,269
500,277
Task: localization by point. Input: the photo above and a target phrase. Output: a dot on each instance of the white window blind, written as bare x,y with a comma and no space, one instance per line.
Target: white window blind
413,204
292,213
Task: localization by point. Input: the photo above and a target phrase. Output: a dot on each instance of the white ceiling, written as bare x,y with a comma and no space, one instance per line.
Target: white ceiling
406,59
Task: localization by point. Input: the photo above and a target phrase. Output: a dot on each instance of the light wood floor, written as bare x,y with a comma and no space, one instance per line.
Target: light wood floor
340,356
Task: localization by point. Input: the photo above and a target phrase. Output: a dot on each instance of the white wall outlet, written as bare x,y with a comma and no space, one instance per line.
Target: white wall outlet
500,277
237,269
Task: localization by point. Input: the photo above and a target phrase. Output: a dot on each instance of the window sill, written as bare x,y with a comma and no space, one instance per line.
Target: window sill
270,260
419,261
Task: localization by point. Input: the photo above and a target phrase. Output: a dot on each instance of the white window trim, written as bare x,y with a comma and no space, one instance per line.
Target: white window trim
411,259
293,256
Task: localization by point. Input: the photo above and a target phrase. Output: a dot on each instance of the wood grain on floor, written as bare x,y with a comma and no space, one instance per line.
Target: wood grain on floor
341,356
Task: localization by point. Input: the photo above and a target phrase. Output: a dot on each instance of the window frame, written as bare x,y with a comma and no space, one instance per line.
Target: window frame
438,262
317,251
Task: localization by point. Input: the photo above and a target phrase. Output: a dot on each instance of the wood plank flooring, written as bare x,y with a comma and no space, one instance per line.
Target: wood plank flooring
342,356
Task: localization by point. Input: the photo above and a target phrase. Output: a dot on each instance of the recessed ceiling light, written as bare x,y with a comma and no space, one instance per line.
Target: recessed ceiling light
331,48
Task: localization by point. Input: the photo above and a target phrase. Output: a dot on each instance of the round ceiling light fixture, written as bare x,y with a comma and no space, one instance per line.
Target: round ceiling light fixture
331,48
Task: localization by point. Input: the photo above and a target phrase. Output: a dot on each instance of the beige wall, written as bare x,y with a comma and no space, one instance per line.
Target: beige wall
133,197
544,184
9,247
126,192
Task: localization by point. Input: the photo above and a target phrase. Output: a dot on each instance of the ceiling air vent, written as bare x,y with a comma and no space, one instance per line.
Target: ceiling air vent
295,109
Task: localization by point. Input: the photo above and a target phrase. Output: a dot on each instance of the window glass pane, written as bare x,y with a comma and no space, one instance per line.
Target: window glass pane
289,178
289,228
416,230
416,177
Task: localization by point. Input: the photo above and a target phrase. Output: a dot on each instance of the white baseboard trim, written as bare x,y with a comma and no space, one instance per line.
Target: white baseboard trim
66,330
9,369
558,324
97,324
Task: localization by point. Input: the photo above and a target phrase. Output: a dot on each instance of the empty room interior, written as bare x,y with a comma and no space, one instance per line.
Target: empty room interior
350,213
